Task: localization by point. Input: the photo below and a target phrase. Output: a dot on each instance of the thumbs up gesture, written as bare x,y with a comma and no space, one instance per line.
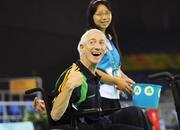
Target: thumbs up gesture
75,77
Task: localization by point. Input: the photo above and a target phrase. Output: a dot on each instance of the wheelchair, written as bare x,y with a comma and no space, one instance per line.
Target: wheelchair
74,116
174,83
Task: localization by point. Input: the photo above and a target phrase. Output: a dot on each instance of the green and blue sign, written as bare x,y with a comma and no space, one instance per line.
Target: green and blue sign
146,95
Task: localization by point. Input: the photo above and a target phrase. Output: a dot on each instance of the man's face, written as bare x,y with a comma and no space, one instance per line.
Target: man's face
94,48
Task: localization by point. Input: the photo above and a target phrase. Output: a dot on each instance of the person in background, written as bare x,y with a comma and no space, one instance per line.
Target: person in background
100,16
113,81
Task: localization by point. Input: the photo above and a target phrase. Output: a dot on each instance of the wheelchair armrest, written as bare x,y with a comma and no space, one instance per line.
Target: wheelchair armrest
85,112
161,75
30,91
92,111
177,77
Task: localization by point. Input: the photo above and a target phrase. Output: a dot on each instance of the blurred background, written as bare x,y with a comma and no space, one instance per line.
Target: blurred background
39,38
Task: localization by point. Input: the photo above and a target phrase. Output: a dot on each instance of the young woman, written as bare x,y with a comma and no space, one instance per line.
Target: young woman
113,80
100,16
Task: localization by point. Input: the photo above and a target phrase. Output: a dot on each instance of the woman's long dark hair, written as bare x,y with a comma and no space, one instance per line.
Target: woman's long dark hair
90,22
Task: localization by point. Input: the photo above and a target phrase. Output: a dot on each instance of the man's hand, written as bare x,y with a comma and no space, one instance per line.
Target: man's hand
39,106
75,78
61,102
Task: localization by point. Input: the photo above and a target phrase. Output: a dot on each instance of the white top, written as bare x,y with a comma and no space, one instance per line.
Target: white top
106,90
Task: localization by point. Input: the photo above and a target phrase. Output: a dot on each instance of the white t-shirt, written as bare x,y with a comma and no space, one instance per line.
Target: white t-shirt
106,90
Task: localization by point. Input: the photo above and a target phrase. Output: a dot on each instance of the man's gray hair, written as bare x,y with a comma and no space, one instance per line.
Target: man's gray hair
83,39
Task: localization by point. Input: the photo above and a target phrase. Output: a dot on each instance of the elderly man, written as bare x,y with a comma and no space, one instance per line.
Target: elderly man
81,77
78,89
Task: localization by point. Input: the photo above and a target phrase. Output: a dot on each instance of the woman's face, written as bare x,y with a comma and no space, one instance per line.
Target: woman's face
102,17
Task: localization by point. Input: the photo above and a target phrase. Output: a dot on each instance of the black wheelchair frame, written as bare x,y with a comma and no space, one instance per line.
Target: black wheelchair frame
74,115
175,88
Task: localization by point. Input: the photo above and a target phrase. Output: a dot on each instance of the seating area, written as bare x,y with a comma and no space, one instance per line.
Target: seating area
17,126
15,106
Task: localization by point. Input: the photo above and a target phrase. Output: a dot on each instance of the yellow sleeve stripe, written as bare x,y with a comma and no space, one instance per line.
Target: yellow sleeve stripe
61,87
64,80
